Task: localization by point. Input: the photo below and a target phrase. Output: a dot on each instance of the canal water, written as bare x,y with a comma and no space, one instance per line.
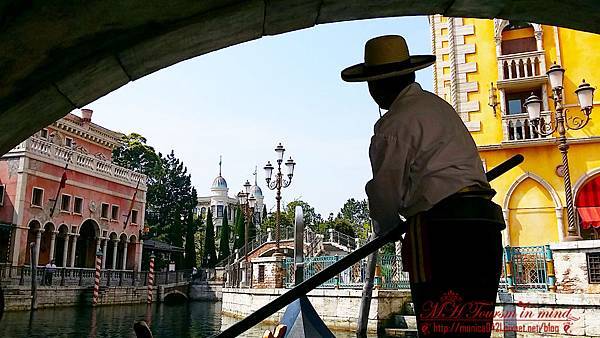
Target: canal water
194,319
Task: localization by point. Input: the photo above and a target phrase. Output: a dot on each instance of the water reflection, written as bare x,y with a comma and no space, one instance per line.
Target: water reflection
195,319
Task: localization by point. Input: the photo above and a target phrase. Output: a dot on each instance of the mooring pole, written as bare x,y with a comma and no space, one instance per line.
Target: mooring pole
150,278
97,277
299,246
33,262
365,304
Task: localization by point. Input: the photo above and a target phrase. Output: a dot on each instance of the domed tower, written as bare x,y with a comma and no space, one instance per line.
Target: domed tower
258,194
219,185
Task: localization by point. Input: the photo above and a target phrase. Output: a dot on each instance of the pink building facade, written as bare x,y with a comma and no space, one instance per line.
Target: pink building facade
95,209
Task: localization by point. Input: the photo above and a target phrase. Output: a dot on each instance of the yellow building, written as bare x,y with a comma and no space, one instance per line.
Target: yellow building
475,55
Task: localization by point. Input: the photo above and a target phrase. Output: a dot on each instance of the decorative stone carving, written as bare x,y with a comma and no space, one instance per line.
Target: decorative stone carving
92,206
13,167
81,150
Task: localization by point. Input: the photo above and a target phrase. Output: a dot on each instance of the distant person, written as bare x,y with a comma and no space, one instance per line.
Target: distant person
49,271
426,169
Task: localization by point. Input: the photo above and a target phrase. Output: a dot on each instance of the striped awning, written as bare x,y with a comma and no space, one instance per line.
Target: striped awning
590,217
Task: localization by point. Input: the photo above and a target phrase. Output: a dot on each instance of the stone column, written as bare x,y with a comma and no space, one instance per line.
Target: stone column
124,264
98,243
73,248
104,251
52,242
506,234
38,242
114,258
559,223
65,251
139,258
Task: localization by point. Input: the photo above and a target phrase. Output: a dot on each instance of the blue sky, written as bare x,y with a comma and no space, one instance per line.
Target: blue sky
239,102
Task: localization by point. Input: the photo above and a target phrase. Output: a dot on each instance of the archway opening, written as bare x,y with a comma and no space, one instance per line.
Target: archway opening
587,202
34,228
131,253
175,297
532,215
46,244
85,256
121,248
111,254
62,246
518,37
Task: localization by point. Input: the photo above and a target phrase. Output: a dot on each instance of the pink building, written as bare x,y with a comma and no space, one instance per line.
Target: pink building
91,209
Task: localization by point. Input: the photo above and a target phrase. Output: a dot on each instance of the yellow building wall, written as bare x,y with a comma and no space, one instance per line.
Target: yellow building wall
532,215
531,209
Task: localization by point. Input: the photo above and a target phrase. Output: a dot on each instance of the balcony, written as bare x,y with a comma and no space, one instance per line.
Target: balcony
518,128
521,70
59,155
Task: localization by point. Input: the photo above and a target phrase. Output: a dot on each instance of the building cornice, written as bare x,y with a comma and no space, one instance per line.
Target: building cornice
48,152
90,132
537,143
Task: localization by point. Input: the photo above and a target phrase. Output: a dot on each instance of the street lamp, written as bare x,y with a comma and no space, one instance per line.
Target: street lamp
560,124
278,183
248,202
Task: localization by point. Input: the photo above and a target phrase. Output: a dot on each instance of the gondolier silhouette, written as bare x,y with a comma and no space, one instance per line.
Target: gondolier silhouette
426,169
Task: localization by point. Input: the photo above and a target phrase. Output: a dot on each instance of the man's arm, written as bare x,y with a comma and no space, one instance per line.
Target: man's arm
390,161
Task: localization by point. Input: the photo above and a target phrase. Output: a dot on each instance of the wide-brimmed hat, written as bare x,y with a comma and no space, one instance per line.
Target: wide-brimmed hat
386,56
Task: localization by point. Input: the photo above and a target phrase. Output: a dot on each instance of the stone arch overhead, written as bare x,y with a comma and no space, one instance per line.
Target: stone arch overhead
583,179
91,53
538,179
123,235
132,238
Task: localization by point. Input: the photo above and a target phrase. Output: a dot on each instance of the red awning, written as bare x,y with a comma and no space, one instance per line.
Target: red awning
590,216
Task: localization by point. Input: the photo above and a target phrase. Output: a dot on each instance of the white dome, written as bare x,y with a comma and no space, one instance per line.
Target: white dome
256,191
219,183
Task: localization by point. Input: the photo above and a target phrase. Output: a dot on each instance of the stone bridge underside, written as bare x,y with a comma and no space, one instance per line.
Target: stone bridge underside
60,55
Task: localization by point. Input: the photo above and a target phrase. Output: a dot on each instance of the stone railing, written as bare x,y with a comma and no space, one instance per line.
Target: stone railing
518,127
521,66
78,160
22,275
343,241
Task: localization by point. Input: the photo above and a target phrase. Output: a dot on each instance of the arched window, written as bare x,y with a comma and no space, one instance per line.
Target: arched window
518,37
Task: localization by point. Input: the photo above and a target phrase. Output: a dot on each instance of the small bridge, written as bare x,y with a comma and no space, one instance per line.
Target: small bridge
263,245
174,292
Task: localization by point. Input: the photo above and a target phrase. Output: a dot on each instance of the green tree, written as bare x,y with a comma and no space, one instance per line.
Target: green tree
239,229
191,230
311,218
209,256
170,197
357,212
224,237
251,229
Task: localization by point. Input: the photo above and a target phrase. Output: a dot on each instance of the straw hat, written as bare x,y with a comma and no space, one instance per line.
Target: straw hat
386,56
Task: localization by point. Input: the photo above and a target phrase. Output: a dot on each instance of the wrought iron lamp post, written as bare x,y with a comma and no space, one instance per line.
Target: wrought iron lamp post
247,201
277,184
560,124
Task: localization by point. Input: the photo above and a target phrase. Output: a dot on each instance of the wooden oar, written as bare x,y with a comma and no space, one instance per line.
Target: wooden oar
308,285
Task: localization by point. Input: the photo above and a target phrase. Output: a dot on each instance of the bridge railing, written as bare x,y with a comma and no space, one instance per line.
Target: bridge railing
392,276
22,275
